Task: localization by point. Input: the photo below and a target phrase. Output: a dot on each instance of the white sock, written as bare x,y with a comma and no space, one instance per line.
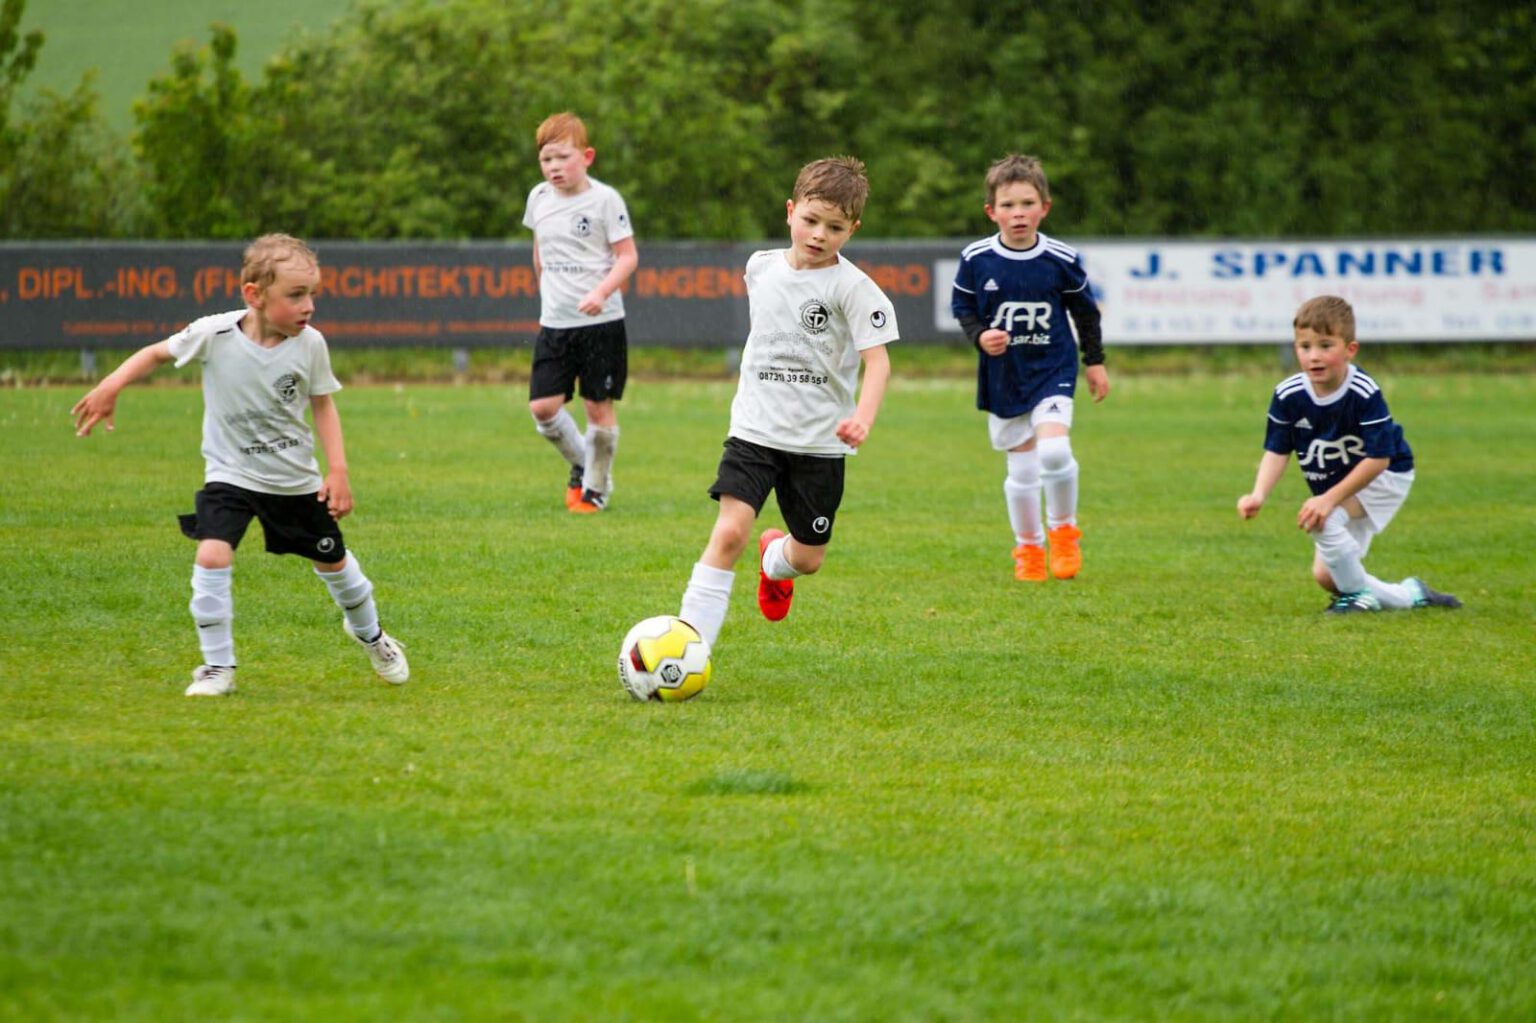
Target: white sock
775,563
353,593
1021,491
213,609
602,443
562,432
1393,596
1340,553
706,600
1058,470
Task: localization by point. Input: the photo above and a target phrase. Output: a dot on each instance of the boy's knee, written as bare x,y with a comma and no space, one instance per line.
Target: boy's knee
806,559
1055,455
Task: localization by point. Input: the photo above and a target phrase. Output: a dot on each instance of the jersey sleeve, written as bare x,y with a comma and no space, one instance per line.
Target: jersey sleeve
962,297
321,379
616,218
1277,431
530,212
191,342
1377,429
871,316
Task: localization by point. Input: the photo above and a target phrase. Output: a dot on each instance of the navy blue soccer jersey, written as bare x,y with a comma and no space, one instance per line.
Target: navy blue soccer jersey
1334,434
1028,293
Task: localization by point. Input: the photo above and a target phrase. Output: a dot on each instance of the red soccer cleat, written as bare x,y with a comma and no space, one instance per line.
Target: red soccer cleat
773,595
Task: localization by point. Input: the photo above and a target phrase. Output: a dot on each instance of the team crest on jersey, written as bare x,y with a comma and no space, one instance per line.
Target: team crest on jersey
877,319
287,388
623,219
814,316
581,225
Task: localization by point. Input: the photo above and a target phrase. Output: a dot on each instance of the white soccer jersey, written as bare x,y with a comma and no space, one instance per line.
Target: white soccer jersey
800,367
254,431
576,234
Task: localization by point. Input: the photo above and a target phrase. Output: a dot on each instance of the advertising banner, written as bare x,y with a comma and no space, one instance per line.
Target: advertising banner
484,294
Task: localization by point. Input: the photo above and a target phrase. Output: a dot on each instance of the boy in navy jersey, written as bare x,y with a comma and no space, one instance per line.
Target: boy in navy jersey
1355,460
1013,294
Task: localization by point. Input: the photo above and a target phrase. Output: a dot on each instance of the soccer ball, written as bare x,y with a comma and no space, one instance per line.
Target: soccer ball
664,658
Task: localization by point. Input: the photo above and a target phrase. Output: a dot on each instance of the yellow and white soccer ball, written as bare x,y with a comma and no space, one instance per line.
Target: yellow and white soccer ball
664,658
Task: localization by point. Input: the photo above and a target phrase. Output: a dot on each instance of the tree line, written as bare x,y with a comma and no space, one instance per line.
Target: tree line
415,118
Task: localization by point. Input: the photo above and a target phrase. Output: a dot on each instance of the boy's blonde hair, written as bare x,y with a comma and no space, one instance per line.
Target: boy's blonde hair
265,256
838,180
1327,314
562,127
1017,167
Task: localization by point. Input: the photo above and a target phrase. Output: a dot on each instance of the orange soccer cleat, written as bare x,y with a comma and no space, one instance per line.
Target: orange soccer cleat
1029,563
1066,556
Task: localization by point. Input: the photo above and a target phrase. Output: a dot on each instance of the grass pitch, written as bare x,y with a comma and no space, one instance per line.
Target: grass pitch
1169,789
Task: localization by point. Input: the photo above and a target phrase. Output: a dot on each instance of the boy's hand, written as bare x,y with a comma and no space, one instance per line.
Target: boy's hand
853,431
336,492
994,341
1098,382
100,404
1314,512
1249,504
592,303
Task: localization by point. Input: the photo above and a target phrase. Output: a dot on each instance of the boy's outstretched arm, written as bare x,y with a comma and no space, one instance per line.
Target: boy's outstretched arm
336,487
854,430
100,403
1271,467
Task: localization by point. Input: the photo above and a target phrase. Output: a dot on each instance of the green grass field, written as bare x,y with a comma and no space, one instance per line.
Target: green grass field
1170,789
127,44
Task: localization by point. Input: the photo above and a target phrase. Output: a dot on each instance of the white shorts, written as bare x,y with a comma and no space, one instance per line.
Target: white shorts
1008,434
1381,498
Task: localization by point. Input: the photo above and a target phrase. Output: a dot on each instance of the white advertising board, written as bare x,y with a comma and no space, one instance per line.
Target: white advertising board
1169,292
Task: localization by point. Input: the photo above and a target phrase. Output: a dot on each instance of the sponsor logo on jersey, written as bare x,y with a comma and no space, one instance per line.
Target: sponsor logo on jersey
877,319
814,317
1011,316
1320,452
1304,423
991,285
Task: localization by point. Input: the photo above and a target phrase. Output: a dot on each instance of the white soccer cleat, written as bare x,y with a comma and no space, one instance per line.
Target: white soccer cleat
212,680
387,655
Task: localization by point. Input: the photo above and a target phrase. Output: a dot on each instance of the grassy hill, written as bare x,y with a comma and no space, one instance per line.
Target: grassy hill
127,44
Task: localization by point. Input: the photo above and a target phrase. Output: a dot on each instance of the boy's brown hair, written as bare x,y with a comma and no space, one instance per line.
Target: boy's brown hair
562,127
265,256
1327,314
839,180
1017,167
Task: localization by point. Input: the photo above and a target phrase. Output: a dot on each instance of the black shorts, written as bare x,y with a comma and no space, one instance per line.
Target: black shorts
597,355
293,523
809,487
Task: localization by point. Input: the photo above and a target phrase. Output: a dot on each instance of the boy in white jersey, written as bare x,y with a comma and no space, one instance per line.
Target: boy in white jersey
583,251
814,317
1014,293
1354,457
261,366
